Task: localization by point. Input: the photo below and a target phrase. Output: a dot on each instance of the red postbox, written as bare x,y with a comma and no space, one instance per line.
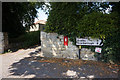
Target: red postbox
65,41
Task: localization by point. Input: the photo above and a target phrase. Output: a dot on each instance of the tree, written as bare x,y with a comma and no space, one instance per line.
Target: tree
112,43
64,17
98,25
16,14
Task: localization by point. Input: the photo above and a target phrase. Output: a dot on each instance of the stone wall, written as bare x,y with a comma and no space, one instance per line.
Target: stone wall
3,41
87,54
52,45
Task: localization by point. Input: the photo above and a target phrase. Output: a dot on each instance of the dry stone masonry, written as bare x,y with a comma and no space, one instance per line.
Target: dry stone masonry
52,45
87,54
3,41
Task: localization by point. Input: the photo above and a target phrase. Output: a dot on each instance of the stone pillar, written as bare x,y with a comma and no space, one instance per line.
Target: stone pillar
3,41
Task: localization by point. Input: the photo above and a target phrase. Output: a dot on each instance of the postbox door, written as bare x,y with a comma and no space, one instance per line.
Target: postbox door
65,41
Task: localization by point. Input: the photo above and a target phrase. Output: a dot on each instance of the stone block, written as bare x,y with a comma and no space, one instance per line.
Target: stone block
60,48
52,36
43,34
65,56
88,56
58,56
88,52
71,56
61,37
59,42
47,52
54,48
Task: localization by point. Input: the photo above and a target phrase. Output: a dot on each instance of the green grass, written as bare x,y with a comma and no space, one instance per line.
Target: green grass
27,40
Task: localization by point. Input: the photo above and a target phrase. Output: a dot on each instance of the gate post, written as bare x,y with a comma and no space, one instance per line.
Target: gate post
3,41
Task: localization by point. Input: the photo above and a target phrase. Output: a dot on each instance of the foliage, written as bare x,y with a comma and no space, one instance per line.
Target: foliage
100,26
86,20
26,40
18,15
111,48
64,17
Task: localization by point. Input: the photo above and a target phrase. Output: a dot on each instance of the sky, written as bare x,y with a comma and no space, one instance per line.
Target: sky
41,15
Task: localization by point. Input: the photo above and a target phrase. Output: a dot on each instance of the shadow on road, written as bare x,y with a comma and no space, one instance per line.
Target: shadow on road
29,67
34,67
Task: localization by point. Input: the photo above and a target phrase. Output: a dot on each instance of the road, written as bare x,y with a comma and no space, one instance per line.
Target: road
6,60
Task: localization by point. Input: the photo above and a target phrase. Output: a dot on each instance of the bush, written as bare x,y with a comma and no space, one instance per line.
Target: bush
111,48
26,40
